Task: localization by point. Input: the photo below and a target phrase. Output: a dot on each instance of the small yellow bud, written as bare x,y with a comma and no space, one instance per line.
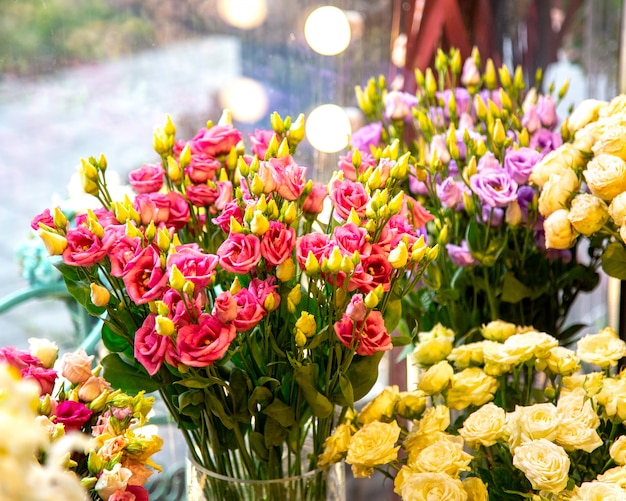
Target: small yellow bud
257,185
456,62
518,79
102,162
272,210
371,300
163,239
291,213
306,324
164,326
430,83
60,221
259,223
293,298
334,260
296,130
356,158
363,101
272,148
300,339
481,108
55,243
401,167
286,270
523,138
235,226
262,203
99,295
353,217
563,90
283,149
418,249
177,279
499,134
185,156
243,167
395,205
188,288
399,256
150,231
347,266
169,128
505,77
490,75
121,212
235,287
432,253
132,231
507,104
312,265
161,308
370,226
226,118
88,170
270,303
375,179
277,123
174,172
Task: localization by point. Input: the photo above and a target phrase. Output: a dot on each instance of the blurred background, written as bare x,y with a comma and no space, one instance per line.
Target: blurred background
85,77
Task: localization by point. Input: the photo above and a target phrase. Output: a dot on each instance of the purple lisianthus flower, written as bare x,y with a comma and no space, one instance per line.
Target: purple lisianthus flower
417,187
546,111
460,255
525,196
462,98
399,105
531,119
488,162
437,116
366,136
450,192
494,187
492,216
545,141
519,163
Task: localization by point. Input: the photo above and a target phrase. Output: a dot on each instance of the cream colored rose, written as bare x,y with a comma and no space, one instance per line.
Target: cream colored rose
380,407
76,367
438,331
615,106
93,388
588,213
498,330
444,456
603,349
606,176
112,480
467,355
559,232
484,426
562,361
575,404
414,486
557,191
564,158
429,428
436,378
476,489
545,465
411,404
599,491
530,344
617,209
617,451
615,475
495,363
471,386
45,350
573,435
612,141
613,398
431,351
585,138
531,423
373,445
336,445
592,382
585,112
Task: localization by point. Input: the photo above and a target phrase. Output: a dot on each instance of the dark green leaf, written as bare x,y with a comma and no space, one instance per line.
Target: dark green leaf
257,442
217,408
392,314
82,293
131,378
614,261
260,396
401,340
113,341
305,376
363,374
198,382
345,395
189,397
240,388
281,412
513,291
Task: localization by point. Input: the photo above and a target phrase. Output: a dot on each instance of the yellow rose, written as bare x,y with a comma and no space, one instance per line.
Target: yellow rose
613,398
557,191
429,428
476,489
436,378
562,361
597,490
545,465
615,475
617,209
532,423
373,445
336,445
585,138
438,331
603,349
615,106
572,435
467,355
575,404
484,426
617,451
471,386
585,112
563,159
587,213
43,349
444,456
414,486
559,232
606,176
498,330
520,348
380,407
612,141
411,404
592,382
431,351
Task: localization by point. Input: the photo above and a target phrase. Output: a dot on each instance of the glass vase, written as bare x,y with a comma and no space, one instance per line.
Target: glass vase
315,485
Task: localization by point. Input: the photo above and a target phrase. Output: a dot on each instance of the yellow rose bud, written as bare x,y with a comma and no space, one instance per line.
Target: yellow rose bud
270,302
291,213
243,167
311,264
277,123
174,172
399,256
132,231
163,239
164,326
177,279
306,324
185,156
293,298
371,300
347,266
286,270
490,75
257,185
259,223
235,226
300,339
235,287
296,131
99,295
55,243
334,260
430,82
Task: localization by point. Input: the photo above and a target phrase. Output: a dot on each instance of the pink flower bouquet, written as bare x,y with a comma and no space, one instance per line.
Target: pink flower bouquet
77,407
257,302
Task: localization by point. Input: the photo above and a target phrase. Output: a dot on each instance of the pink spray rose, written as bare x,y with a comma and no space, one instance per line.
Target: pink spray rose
369,336
76,367
143,276
72,415
201,344
83,248
121,247
225,307
202,168
195,265
152,207
260,289
347,195
178,215
314,201
231,209
45,218
347,167
239,253
41,375
147,179
277,243
350,238
202,195
249,311
378,267
290,177
317,243
152,349
260,141
218,140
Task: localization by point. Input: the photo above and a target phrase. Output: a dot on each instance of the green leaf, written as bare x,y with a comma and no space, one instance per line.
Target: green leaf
281,412
240,387
260,396
392,314
218,410
130,378
513,291
305,376
189,397
198,382
614,261
401,340
274,433
113,341
257,442
363,374
345,395
82,293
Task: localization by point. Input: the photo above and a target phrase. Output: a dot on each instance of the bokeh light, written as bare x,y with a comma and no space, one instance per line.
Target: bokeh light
327,30
246,98
243,14
328,128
